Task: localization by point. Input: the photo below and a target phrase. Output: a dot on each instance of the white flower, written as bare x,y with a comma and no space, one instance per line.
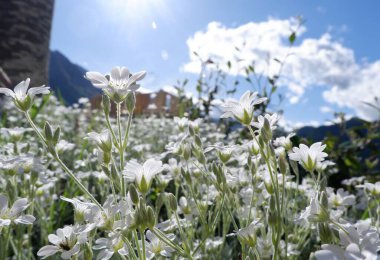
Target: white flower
13,214
15,133
363,236
82,210
334,252
22,96
181,122
110,246
284,141
142,174
340,199
309,157
372,189
103,140
224,152
315,213
63,145
272,119
243,109
155,247
248,235
67,241
117,84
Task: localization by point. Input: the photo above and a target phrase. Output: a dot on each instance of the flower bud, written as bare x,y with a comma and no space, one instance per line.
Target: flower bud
150,218
253,168
56,135
172,201
106,104
186,175
268,186
325,233
48,132
198,140
283,165
267,128
133,194
130,102
324,200
294,166
33,177
186,151
191,130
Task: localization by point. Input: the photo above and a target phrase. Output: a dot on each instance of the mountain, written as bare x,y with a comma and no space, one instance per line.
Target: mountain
320,132
66,79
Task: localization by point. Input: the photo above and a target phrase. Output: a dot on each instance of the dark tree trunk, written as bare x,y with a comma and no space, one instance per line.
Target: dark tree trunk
24,39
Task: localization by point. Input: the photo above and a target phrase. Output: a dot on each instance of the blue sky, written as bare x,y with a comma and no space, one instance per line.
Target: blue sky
154,35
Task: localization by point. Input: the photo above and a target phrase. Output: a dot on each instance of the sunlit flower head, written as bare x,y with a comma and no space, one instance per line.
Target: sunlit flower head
67,241
142,174
309,157
117,84
272,119
243,109
14,213
22,96
103,140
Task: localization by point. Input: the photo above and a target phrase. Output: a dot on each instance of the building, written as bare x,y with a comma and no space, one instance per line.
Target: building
161,103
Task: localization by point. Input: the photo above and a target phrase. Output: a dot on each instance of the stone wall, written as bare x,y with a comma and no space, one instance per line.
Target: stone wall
25,27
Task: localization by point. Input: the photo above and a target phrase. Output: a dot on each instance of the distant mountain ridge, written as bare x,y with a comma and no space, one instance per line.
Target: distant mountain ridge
67,81
320,132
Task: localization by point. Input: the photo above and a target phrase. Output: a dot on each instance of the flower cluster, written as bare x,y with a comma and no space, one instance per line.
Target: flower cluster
88,185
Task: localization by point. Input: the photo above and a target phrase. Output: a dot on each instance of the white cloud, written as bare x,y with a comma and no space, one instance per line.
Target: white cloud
326,109
314,62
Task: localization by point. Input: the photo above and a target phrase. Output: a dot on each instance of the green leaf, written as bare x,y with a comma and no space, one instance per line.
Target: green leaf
292,37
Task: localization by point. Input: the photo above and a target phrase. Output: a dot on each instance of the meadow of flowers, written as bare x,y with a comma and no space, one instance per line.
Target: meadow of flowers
78,183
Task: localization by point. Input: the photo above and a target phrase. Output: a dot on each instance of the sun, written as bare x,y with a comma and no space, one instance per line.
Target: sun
135,11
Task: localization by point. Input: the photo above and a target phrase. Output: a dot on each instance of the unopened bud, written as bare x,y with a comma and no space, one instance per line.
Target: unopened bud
133,194
150,218
130,102
283,165
186,151
56,135
267,128
172,201
325,233
198,140
186,175
324,200
191,130
48,132
106,104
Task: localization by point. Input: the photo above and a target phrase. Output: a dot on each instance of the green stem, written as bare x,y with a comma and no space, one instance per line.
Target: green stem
130,249
112,131
167,241
182,233
136,237
63,165
142,234
126,137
